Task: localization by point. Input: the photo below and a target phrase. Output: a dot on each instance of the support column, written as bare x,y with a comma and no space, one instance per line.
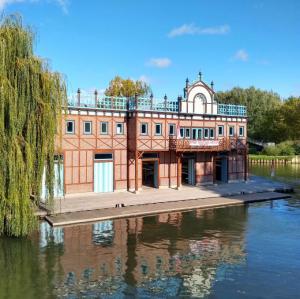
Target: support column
169,169
214,168
245,166
136,162
178,171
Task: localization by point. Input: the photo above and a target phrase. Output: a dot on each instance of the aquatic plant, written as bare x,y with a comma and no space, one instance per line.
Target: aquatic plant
31,97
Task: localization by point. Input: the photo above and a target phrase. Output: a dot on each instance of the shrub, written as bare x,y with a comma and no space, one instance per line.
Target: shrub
271,150
286,148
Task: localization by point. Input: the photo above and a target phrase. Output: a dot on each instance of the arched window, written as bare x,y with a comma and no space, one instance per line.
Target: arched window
202,99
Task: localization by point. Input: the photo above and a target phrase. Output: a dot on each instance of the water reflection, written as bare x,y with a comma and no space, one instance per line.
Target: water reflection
289,173
163,256
235,252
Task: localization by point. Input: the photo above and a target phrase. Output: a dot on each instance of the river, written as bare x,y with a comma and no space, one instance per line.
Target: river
236,252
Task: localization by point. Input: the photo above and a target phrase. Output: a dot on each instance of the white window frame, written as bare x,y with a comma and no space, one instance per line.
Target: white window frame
122,128
181,132
195,130
243,131
158,125
73,125
101,131
87,132
222,134
146,126
187,136
200,130
211,130
231,127
174,129
206,130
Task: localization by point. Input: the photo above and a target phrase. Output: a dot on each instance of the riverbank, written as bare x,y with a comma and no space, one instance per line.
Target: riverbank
147,200
265,159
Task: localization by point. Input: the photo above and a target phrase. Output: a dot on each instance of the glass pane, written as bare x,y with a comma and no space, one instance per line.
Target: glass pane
70,126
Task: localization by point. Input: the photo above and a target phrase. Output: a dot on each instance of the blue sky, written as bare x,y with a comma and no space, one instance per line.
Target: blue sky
234,43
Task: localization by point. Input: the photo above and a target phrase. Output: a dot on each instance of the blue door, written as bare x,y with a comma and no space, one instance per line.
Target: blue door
103,177
191,172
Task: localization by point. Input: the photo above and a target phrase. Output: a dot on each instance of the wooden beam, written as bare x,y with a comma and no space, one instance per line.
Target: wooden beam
136,171
178,171
245,166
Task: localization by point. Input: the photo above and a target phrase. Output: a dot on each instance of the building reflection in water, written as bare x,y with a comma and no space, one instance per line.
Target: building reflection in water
165,255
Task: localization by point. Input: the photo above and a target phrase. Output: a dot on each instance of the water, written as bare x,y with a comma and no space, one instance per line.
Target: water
236,252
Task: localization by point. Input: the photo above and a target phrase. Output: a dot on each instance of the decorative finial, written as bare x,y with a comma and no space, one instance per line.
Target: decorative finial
151,96
96,92
200,76
212,84
165,97
78,91
187,80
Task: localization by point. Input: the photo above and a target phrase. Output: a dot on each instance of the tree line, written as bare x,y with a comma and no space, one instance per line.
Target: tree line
270,118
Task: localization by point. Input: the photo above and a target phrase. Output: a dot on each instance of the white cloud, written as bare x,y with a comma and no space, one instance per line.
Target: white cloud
4,3
63,4
241,55
145,79
191,29
159,62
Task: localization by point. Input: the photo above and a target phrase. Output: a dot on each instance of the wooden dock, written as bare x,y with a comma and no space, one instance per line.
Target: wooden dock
152,209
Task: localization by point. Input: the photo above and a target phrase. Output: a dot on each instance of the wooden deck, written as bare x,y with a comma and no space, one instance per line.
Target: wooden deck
151,209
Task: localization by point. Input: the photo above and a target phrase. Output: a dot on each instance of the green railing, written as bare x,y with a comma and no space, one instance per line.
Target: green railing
144,104
232,110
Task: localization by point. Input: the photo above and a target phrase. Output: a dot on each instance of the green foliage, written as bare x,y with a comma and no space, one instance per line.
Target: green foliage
282,149
261,108
31,98
126,87
269,118
271,150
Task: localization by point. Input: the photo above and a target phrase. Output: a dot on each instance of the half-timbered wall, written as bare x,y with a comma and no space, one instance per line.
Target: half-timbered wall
79,150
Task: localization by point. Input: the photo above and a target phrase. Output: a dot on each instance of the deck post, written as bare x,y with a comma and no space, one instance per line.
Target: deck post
245,166
178,171
136,162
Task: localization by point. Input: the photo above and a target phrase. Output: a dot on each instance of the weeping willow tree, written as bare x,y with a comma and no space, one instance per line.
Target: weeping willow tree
31,97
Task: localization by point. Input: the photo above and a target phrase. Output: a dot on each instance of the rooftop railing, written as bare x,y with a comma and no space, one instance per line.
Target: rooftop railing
232,110
144,104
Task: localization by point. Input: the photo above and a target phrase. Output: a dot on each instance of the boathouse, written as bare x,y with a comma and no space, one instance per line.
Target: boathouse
117,144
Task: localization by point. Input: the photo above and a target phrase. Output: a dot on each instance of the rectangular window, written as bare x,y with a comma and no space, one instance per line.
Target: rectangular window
181,132
87,127
206,133
103,157
150,155
221,130
120,129
70,126
172,128
231,131
104,128
200,134
211,133
241,131
158,129
194,133
144,129
187,133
